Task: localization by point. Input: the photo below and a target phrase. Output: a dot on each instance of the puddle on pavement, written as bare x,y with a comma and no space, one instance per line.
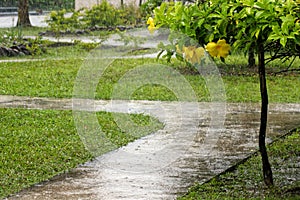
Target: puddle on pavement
34,103
115,176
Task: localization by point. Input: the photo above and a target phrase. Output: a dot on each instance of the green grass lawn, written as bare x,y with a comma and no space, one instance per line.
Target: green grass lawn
24,31
36,145
55,78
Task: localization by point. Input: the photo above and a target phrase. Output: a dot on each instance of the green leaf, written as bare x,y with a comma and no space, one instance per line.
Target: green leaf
257,33
208,27
274,37
214,16
200,22
211,37
283,41
248,10
259,13
179,57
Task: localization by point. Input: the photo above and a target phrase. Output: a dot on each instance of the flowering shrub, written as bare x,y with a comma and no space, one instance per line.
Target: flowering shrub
242,23
266,26
191,53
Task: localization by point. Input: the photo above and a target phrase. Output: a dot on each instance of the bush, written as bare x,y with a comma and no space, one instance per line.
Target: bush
148,7
103,14
242,23
130,15
59,22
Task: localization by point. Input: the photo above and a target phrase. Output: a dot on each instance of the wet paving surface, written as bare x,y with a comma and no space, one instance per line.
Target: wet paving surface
11,21
143,38
191,147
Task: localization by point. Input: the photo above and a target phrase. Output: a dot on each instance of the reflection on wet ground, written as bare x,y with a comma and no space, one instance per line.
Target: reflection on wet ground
162,165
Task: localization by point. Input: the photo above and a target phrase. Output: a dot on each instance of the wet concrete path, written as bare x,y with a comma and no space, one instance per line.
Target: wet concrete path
162,165
11,21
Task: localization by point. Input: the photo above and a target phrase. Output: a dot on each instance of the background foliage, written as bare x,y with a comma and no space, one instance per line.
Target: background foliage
102,15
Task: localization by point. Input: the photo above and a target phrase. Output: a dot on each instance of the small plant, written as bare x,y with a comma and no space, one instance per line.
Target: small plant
148,7
15,45
35,46
58,22
103,14
11,37
130,15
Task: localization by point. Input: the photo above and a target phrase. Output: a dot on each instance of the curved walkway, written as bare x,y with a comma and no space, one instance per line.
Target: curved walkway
11,21
164,164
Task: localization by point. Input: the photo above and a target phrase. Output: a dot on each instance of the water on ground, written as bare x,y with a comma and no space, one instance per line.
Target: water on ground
164,164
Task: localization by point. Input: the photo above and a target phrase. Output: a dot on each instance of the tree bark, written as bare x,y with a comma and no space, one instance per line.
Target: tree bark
251,58
267,171
23,13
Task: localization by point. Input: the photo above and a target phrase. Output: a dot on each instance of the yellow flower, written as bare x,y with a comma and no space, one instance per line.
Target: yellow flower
219,49
151,26
150,21
193,54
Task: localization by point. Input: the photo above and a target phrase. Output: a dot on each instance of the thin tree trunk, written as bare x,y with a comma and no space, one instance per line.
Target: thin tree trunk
23,13
267,171
251,58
